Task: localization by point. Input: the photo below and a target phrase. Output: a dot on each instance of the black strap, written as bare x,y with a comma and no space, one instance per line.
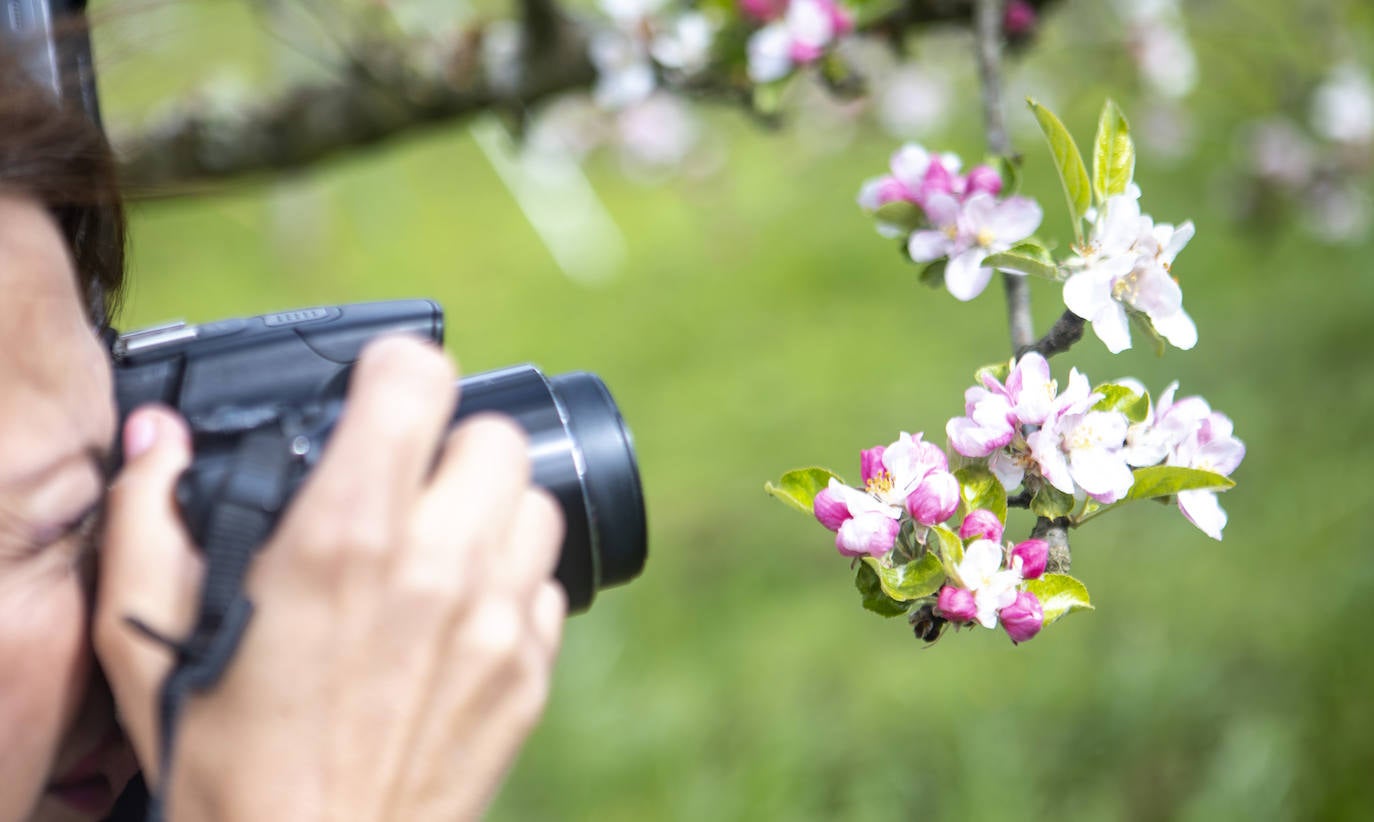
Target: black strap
245,511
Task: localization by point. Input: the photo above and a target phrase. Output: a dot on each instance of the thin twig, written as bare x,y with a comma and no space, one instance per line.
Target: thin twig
1066,331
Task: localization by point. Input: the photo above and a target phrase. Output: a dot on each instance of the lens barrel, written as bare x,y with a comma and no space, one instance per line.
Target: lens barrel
581,452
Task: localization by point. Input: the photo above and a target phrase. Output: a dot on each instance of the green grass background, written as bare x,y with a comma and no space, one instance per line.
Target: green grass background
760,325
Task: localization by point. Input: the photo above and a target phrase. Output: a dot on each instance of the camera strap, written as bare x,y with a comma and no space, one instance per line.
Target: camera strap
244,513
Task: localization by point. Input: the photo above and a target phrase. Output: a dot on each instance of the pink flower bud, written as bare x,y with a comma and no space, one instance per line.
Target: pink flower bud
890,190
956,604
981,524
1019,18
804,52
830,509
840,19
1023,618
872,534
763,10
872,460
935,499
1033,554
983,179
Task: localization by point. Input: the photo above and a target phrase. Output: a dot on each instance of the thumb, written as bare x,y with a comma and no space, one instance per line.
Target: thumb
150,572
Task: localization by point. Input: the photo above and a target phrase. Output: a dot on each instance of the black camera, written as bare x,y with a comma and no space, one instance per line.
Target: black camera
262,394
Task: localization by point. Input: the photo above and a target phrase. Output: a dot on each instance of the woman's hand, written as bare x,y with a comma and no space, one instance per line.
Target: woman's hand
405,619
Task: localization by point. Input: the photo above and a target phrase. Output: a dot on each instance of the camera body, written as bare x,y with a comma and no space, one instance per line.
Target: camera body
262,394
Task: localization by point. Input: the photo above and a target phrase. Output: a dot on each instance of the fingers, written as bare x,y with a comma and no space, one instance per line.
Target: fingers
464,520
401,398
149,569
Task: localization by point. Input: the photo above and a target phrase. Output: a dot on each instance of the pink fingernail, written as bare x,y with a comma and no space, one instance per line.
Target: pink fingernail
140,432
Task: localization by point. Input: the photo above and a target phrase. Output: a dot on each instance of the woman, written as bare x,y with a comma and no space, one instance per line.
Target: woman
406,623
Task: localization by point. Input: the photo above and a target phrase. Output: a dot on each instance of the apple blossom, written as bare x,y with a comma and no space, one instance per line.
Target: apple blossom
862,524
987,425
1211,447
1024,617
1124,266
907,476
993,586
968,232
1086,451
981,522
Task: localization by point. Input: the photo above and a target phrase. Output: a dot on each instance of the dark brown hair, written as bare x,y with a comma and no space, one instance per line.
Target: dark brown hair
59,157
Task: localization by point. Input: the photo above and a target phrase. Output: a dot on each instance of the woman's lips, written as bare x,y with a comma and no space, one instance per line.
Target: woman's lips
86,786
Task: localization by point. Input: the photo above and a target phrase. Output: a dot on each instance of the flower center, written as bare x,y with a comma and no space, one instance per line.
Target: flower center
985,237
881,485
952,231
1126,288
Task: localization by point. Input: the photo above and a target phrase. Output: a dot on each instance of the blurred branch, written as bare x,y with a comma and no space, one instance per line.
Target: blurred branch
988,44
385,92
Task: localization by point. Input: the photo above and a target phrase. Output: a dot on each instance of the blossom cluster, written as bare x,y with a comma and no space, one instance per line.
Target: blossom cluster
643,36
794,33
909,477
989,582
961,219
1082,444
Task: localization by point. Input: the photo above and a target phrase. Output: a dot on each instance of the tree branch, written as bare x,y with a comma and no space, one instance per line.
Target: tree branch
385,94
1066,331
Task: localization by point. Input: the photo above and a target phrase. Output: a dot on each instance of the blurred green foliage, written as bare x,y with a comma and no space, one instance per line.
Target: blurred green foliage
760,324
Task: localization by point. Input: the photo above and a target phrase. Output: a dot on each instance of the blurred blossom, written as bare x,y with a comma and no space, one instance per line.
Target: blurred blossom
1019,18
1159,45
806,30
912,101
1343,106
624,75
684,44
1166,128
1279,152
630,12
570,126
659,133
1338,212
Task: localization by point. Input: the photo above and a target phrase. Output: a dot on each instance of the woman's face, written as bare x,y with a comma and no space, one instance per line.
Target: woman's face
61,754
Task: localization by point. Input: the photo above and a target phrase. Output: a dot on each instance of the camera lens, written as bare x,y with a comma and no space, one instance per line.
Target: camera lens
581,452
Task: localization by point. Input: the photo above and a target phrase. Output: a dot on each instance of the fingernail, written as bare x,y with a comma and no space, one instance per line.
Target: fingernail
140,432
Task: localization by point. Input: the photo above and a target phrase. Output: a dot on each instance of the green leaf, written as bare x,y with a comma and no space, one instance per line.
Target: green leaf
1113,153
1068,161
902,214
1167,480
1020,263
1059,594
1051,503
1009,169
933,274
980,489
1116,397
950,546
799,488
874,599
913,580
998,371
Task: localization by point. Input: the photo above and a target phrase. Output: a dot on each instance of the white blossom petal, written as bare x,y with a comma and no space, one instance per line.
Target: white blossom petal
925,246
964,277
1178,328
1203,510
